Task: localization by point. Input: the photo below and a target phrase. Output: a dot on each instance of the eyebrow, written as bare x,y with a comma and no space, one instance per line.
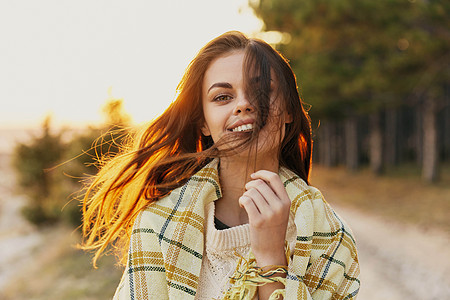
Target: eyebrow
221,85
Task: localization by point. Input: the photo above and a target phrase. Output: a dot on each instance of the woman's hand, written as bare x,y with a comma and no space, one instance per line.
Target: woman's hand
267,205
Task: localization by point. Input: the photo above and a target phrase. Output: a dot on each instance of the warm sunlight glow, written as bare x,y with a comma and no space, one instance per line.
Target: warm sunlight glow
61,57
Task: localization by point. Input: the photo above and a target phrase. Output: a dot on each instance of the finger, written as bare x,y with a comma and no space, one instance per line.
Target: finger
249,206
255,218
267,202
259,200
264,189
274,181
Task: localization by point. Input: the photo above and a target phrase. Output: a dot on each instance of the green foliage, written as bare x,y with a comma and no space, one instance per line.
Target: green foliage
33,159
87,150
50,170
91,146
33,162
356,57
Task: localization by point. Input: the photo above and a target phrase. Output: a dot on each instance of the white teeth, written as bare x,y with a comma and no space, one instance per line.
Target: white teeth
243,128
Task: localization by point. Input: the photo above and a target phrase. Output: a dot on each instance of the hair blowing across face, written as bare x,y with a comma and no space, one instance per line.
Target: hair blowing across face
172,148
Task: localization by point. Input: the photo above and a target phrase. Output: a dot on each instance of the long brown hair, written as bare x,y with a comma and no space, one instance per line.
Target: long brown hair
172,148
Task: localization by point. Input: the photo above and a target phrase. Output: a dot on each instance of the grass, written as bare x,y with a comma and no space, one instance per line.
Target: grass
62,272
400,194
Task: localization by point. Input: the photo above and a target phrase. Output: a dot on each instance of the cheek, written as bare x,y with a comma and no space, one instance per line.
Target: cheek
216,118
214,127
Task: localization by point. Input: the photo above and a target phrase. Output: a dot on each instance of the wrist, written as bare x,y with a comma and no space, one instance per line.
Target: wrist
272,258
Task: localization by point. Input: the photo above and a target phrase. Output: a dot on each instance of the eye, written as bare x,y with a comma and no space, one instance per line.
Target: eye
221,98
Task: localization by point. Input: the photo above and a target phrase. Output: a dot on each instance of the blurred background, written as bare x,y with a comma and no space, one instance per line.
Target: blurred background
374,74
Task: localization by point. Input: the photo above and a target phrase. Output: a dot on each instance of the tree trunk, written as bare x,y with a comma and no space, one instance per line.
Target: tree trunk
419,134
430,142
445,134
323,141
327,143
334,143
340,143
376,143
391,138
351,143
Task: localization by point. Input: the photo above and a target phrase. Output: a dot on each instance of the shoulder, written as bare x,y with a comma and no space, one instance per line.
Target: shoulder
301,194
310,207
184,204
325,246
200,187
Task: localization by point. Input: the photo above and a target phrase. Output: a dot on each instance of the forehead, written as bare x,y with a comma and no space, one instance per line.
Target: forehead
225,68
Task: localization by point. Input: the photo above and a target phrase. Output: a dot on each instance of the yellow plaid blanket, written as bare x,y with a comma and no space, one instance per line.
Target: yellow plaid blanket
166,246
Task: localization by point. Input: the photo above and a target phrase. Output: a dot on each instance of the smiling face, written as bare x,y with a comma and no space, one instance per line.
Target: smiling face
228,112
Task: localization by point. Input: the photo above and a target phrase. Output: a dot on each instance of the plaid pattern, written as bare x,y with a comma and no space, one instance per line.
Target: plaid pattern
166,246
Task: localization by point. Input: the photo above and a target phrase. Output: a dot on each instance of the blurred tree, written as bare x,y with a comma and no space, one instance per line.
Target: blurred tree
114,112
432,88
356,58
92,146
54,188
33,162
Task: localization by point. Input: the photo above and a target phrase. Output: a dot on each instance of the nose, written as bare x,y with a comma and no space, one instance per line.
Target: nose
243,105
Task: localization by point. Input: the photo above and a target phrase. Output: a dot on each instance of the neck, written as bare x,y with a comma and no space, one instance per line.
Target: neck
234,173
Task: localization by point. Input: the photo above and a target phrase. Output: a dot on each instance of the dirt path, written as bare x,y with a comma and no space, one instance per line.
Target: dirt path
399,261
18,238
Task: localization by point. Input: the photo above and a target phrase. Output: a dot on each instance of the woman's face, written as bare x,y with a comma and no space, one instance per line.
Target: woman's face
227,111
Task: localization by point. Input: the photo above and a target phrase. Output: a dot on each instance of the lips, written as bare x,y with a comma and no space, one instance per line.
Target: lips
242,126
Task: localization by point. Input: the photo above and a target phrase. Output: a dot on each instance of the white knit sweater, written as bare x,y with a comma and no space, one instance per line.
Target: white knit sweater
220,259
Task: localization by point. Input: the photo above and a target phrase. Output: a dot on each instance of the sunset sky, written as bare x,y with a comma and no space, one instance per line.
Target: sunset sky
60,57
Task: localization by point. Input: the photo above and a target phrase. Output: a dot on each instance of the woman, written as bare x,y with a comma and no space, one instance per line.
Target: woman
213,201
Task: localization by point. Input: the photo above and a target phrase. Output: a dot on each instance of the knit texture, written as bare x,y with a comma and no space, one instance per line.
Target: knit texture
167,244
223,251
